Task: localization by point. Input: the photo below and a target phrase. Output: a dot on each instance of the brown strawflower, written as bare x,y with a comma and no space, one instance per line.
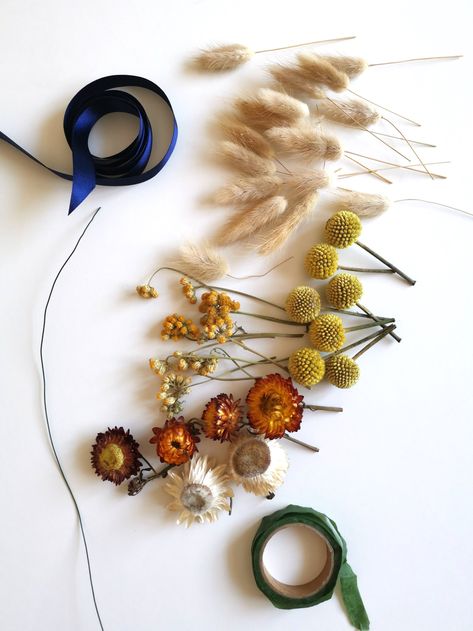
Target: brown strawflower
274,406
115,455
222,416
175,442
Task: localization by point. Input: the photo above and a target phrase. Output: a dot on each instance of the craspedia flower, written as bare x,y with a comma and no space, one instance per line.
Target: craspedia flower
321,261
200,491
274,406
222,416
259,465
344,290
306,366
343,229
303,304
342,371
175,443
115,455
327,333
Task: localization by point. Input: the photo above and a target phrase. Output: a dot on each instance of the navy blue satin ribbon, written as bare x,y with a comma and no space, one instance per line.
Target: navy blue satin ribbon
122,169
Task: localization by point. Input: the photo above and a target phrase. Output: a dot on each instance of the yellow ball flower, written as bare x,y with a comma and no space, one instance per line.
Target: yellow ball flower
343,229
321,261
303,304
327,333
306,366
344,290
342,371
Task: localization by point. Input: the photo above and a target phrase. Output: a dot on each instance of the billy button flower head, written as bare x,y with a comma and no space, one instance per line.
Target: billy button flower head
274,406
303,304
327,333
115,455
343,229
321,261
222,417
306,367
175,442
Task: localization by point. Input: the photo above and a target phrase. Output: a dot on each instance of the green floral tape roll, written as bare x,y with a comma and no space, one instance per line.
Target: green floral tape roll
321,587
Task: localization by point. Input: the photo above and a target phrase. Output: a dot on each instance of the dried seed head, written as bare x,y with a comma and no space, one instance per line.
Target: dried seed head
270,108
363,204
221,58
306,366
344,290
353,113
327,333
321,261
318,70
248,221
303,304
306,182
342,371
242,135
289,79
305,142
247,190
241,159
202,262
343,229
351,66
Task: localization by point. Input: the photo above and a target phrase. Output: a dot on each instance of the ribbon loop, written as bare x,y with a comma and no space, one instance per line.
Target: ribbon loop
124,168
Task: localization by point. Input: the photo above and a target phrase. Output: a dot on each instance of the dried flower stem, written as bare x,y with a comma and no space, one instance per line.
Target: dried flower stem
359,327
397,166
409,144
384,108
322,408
300,442
383,260
367,169
381,324
366,270
251,350
270,318
354,313
406,61
426,201
389,330
415,142
322,41
373,342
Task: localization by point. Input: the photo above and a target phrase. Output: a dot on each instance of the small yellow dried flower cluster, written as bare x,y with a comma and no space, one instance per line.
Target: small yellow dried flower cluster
201,365
306,366
303,304
176,326
188,290
217,323
327,333
146,291
321,261
173,388
344,290
342,371
158,366
343,229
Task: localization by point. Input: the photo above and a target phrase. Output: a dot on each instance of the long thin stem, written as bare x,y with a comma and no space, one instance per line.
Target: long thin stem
360,327
321,41
409,144
373,342
354,313
46,416
301,443
384,108
406,61
381,324
366,269
251,350
383,260
270,318
416,142
358,342
410,167
147,462
426,201
321,408
367,169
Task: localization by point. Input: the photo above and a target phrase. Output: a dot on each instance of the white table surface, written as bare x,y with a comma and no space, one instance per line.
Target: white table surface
394,469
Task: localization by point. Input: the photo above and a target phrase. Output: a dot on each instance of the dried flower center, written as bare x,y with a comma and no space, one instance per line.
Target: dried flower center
272,405
197,498
252,458
111,457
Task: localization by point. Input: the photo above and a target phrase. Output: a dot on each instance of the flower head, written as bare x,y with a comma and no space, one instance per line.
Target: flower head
115,455
175,442
257,464
176,326
344,290
173,389
342,371
303,304
327,333
146,291
321,261
343,229
222,416
274,406
188,290
217,322
200,491
306,366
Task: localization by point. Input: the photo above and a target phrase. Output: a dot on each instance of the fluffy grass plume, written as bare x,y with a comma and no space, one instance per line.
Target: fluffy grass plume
247,190
288,78
351,66
249,221
276,236
221,58
244,160
322,72
245,136
202,262
306,142
270,108
353,112
306,182
362,204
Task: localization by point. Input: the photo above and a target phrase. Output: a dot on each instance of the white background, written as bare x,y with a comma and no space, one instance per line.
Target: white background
394,469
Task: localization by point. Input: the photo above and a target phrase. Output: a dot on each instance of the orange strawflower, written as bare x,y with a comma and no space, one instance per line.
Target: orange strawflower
222,416
175,442
115,455
274,406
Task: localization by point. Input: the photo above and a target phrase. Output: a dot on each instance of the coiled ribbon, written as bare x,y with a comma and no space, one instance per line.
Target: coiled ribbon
322,586
122,169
